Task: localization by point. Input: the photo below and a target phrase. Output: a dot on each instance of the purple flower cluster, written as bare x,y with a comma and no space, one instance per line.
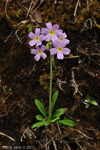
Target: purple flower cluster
53,33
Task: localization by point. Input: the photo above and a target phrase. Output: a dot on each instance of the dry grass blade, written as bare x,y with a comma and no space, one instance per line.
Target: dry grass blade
66,144
54,144
75,12
7,2
18,37
37,6
81,133
79,145
31,7
7,136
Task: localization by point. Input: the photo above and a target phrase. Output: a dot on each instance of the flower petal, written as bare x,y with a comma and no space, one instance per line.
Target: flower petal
64,35
55,27
42,37
66,41
43,47
66,51
47,37
49,25
44,31
37,57
43,55
32,42
37,31
34,51
38,43
37,47
56,43
53,51
31,35
63,43
58,32
61,30
60,55
54,38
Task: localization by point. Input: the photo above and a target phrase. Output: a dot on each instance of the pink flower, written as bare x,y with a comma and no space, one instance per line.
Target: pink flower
59,49
36,38
63,37
39,52
51,32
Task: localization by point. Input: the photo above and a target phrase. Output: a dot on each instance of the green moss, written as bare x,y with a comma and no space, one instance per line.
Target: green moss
63,13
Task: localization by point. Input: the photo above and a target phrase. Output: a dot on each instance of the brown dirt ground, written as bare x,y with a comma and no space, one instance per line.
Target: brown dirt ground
20,85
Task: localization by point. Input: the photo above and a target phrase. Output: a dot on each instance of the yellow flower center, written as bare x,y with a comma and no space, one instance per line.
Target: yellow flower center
59,49
39,51
60,39
51,32
37,38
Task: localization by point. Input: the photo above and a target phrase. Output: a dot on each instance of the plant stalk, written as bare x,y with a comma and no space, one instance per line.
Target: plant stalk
50,91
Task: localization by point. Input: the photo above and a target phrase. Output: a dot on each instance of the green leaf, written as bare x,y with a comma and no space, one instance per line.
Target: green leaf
87,105
10,90
94,102
54,120
29,26
87,100
54,98
48,121
59,112
87,97
40,107
39,117
67,122
39,124
47,45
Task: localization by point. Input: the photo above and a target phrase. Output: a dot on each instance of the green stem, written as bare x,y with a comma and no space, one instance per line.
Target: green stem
50,92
